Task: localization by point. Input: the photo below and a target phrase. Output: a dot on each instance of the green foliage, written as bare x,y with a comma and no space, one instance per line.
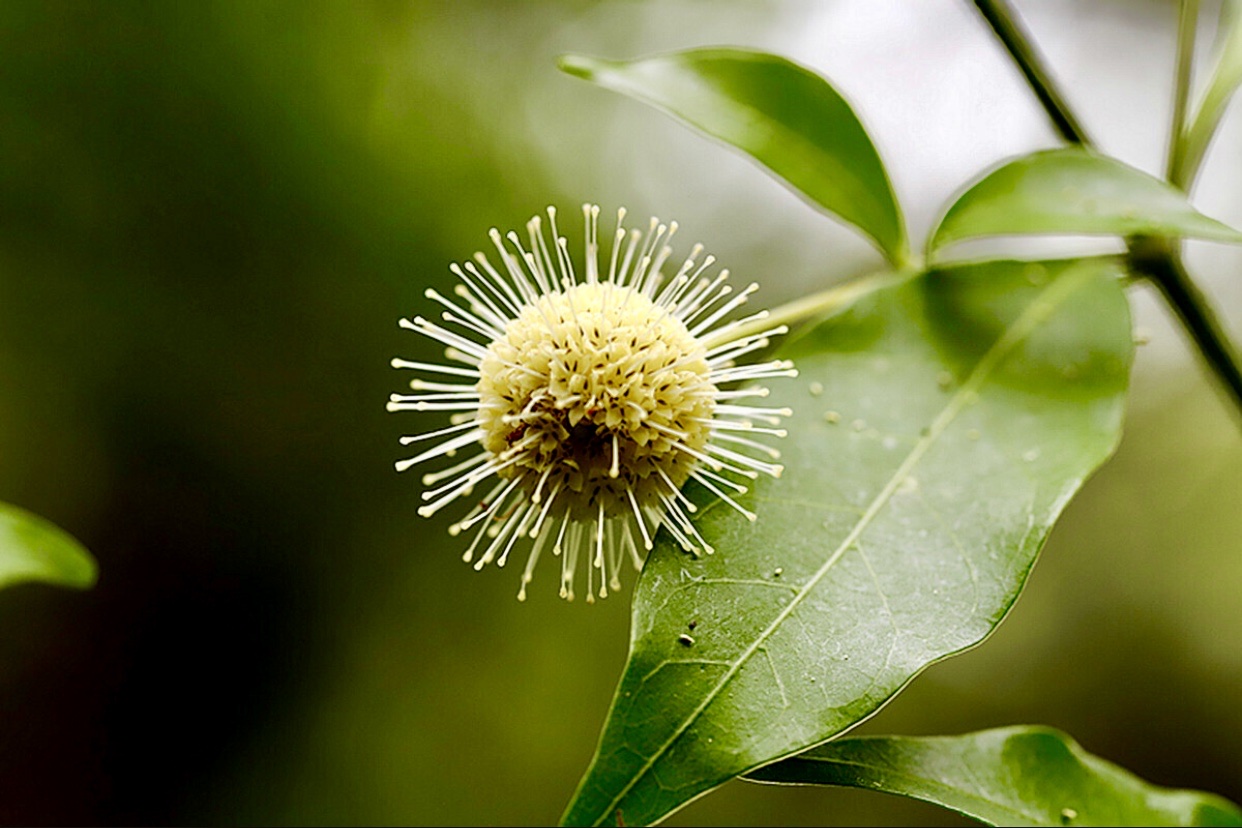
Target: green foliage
185,244
940,426
32,549
1226,77
1073,191
786,118
1005,776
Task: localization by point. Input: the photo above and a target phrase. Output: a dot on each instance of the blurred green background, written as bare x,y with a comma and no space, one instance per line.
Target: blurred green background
211,217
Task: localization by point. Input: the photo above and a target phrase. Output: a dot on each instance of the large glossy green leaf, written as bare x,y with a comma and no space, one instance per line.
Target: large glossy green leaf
785,117
1225,79
32,549
939,428
1006,776
1073,191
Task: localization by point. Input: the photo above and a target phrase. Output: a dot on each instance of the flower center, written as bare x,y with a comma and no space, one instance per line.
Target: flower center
597,393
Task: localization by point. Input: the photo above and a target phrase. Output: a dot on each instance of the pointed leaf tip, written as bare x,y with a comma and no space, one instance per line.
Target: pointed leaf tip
579,66
1022,775
788,119
1073,191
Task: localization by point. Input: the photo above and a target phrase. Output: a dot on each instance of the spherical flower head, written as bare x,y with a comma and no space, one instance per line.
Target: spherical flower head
590,401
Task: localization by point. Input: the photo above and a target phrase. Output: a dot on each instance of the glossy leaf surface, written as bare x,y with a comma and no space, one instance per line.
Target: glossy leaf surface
939,428
1073,192
790,120
1006,776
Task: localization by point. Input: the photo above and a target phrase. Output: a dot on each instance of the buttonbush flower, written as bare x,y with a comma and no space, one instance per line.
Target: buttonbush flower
585,400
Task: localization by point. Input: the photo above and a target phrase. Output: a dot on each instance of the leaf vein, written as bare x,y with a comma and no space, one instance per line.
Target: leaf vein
968,393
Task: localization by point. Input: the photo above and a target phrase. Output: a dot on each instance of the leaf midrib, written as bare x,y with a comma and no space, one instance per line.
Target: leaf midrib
1036,312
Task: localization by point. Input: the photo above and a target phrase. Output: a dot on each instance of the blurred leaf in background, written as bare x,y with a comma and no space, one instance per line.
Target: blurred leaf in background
31,549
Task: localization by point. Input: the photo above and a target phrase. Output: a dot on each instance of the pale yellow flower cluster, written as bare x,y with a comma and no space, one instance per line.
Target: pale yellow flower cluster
591,401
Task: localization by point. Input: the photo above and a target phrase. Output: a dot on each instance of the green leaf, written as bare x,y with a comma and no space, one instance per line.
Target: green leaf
1073,191
1006,776
939,428
1226,78
32,549
785,117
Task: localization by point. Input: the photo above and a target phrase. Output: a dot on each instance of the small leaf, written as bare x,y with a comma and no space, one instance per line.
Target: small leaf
32,549
1226,78
1073,191
939,428
785,117
1006,776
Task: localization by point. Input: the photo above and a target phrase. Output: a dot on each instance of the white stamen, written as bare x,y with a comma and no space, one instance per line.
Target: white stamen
751,516
443,369
592,400
414,438
444,448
